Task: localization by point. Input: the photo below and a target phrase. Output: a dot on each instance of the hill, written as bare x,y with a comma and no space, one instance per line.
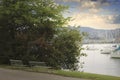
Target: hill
101,35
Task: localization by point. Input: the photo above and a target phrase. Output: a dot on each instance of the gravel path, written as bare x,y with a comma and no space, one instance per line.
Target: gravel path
6,74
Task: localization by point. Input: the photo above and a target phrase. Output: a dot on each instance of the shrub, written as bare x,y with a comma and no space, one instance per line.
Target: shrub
4,60
25,61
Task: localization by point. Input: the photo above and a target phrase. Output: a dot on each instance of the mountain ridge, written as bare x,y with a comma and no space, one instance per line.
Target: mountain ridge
101,35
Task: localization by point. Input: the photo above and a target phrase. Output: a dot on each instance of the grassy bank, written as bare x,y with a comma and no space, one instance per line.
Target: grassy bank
64,73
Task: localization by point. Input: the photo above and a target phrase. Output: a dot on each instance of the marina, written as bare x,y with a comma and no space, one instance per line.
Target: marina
95,62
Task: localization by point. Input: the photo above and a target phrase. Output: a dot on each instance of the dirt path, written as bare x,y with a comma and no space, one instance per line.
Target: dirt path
6,74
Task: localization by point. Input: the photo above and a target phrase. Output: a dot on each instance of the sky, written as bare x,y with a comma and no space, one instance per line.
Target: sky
99,14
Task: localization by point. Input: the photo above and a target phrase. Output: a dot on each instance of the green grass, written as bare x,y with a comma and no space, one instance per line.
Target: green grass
64,73
86,75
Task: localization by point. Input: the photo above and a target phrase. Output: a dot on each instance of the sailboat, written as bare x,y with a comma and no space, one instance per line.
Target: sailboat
116,53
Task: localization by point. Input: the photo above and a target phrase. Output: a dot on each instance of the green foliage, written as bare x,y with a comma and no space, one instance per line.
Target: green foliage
4,60
27,22
25,60
66,49
33,30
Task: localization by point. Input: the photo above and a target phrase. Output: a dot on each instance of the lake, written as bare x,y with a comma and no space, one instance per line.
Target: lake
95,62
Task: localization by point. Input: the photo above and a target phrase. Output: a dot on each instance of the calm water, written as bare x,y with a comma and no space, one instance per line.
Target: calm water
95,62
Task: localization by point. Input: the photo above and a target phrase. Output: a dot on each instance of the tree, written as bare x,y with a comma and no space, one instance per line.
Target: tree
33,30
27,22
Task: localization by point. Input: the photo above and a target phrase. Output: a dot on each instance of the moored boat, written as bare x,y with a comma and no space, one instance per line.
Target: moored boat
108,49
116,53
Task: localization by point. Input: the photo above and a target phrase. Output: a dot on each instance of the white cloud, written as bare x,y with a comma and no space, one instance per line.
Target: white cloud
94,10
72,0
93,13
69,0
92,6
88,4
93,20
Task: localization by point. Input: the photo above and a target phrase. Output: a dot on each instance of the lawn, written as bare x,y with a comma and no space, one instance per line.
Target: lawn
63,73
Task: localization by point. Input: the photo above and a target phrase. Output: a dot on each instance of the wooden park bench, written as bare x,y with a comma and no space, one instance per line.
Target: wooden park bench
32,63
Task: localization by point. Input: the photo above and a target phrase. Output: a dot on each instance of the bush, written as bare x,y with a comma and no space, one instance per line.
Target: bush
25,61
66,49
4,60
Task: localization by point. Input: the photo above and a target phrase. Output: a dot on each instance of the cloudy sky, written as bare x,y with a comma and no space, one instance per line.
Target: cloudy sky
100,14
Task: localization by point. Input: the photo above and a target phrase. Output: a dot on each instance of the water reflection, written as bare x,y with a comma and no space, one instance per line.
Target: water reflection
95,62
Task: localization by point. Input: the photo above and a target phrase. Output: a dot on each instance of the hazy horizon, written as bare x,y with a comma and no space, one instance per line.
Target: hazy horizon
101,28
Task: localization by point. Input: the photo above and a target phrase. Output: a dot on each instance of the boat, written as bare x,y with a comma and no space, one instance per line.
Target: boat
91,47
108,49
116,53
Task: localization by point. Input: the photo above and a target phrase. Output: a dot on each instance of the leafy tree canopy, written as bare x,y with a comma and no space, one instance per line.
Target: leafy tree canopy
23,21
33,30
